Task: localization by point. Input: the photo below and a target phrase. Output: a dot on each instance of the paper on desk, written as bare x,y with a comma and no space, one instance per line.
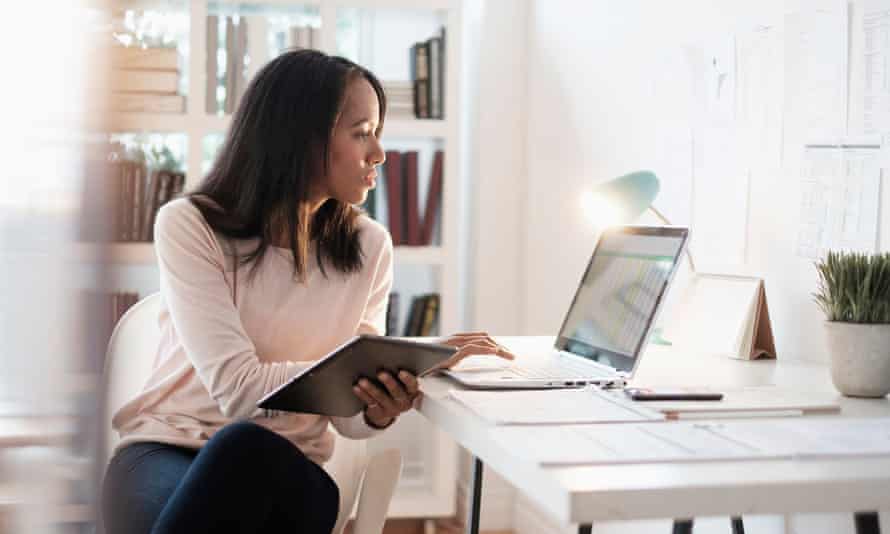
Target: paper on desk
698,442
621,444
753,399
553,406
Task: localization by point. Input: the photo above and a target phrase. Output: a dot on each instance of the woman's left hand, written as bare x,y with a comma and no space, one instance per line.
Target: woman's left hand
382,406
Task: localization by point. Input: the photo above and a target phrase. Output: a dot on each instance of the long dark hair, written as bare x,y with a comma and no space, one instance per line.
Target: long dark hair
259,183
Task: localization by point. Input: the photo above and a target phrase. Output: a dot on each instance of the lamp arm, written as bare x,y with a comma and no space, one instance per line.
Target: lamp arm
665,220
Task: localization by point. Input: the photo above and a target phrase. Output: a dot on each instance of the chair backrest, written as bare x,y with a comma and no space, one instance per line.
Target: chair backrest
128,362
131,352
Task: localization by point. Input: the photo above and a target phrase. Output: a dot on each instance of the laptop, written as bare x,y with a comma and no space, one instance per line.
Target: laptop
609,321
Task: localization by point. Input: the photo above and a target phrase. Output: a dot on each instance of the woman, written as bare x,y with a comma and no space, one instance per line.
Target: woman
265,267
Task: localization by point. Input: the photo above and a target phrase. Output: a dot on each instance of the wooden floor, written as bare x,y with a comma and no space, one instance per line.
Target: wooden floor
416,526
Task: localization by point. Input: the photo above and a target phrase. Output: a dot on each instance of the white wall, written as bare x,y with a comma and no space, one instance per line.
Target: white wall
576,100
593,109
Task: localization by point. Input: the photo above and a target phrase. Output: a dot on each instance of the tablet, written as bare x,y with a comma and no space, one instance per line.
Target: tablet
326,387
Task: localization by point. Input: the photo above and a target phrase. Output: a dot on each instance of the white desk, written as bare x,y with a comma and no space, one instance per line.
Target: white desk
584,494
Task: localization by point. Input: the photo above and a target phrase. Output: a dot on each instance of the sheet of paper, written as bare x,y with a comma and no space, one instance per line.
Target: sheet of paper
875,74
759,99
556,406
839,199
698,442
623,444
752,399
816,51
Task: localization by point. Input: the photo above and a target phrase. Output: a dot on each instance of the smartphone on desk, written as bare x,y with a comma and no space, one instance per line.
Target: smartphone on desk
676,394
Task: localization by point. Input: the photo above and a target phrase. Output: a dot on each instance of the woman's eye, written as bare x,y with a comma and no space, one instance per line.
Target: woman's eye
364,135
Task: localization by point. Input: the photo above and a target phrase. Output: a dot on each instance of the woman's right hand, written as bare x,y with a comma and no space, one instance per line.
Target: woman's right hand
470,344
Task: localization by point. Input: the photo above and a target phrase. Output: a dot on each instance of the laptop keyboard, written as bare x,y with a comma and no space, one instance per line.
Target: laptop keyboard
563,369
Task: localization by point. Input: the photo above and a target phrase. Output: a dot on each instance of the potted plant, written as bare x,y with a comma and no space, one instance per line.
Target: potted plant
854,293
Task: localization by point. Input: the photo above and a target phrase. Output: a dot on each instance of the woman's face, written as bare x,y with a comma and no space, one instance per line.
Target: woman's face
355,150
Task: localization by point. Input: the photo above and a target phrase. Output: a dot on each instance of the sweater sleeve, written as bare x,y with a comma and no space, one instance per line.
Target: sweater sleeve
373,321
202,308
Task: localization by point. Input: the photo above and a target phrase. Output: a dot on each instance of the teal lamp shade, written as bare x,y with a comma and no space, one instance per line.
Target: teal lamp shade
623,199
620,201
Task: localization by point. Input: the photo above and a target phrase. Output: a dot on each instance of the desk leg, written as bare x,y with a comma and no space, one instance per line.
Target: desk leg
738,526
475,497
867,523
683,526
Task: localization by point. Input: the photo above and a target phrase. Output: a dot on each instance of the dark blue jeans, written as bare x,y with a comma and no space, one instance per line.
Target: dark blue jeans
245,479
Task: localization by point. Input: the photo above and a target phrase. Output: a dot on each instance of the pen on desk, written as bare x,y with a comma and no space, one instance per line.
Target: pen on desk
683,415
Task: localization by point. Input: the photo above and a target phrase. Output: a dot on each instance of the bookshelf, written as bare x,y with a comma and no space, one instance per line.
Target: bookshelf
428,486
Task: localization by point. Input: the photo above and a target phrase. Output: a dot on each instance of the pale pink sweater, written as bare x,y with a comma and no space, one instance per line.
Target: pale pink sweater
224,345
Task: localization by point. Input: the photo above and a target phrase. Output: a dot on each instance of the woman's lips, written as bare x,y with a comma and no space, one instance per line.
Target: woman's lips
371,179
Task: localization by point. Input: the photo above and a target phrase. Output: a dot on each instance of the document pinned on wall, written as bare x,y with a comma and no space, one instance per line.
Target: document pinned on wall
876,76
760,92
816,51
839,199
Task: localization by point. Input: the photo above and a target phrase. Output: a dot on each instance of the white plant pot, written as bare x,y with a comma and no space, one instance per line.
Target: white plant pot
860,358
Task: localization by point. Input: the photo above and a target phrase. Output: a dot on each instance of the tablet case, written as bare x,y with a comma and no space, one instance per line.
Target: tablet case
326,387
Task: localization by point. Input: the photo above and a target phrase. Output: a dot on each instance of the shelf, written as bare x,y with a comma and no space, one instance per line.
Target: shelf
394,127
403,127
126,253
148,122
140,253
418,255
374,4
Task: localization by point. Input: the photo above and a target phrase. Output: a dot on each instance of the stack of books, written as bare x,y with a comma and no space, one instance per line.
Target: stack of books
399,99
408,226
304,37
423,315
427,64
137,196
146,80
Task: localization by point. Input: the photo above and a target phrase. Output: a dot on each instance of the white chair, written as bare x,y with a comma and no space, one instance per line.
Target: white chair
128,362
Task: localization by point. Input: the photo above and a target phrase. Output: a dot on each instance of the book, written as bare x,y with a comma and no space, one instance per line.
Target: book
153,58
420,76
415,316
434,45
147,102
392,314
241,48
257,49
145,81
211,69
135,229
409,198
433,200
152,202
722,314
393,169
231,66
430,314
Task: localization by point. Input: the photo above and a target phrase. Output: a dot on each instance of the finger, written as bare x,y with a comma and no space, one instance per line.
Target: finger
395,389
505,353
473,349
469,334
369,401
418,400
380,397
412,386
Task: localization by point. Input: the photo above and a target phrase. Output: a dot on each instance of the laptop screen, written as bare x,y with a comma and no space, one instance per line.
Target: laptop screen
616,302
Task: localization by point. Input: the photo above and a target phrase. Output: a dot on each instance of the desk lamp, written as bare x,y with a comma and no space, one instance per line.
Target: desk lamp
623,199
